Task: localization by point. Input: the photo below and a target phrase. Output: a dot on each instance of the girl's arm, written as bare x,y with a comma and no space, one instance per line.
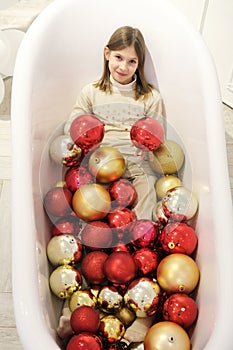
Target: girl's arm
83,105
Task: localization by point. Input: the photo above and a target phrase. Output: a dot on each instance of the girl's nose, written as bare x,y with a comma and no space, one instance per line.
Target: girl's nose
123,65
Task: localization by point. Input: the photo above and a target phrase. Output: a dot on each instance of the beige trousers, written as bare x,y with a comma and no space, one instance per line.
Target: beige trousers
145,186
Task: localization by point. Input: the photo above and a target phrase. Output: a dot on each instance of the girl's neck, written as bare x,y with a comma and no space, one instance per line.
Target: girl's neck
124,87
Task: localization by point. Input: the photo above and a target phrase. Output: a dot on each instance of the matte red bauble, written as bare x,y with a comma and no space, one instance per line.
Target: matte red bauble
84,341
178,237
69,224
106,164
91,202
87,131
57,201
146,260
181,309
143,233
77,176
92,267
120,267
147,134
96,235
85,319
122,193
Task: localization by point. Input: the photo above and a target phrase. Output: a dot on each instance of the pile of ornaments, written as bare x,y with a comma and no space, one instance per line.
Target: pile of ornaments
127,283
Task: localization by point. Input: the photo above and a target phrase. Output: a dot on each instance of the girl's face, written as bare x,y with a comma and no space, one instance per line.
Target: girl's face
122,64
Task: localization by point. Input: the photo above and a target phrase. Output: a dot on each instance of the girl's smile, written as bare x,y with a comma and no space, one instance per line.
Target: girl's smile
122,64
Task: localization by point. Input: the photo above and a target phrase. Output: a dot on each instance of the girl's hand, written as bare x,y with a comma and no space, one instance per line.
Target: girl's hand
143,154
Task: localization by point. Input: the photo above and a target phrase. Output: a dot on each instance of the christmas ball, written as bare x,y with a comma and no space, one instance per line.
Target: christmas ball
120,267
64,249
85,341
109,299
143,233
146,261
166,183
77,176
57,201
181,309
158,215
126,316
64,281
142,297
91,202
96,235
106,164
180,204
87,131
168,158
122,193
178,237
178,273
63,151
147,134
80,298
69,224
92,267
111,329
85,319
120,220
166,335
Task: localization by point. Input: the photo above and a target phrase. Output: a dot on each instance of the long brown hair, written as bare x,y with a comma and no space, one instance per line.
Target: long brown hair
124,37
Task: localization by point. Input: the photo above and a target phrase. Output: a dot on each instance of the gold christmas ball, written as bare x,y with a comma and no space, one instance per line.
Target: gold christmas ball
178,273
91,202
166,183
166,335
107,164
80,298
126,316
168,158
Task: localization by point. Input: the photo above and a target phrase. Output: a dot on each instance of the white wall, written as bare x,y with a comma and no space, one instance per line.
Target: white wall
214,20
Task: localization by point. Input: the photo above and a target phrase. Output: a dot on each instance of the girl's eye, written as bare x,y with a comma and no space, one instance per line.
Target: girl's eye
133,62
118,57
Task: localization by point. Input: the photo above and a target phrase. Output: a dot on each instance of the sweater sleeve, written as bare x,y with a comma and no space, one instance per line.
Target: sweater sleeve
83,105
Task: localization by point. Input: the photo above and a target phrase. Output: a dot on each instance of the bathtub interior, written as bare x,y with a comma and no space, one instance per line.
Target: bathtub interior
61,52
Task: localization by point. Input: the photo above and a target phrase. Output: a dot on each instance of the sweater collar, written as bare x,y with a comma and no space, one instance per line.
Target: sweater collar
124,87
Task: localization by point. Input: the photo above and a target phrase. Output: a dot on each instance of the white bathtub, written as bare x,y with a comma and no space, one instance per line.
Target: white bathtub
60,53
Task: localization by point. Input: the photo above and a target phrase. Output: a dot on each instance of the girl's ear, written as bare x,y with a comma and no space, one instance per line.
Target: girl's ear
106,53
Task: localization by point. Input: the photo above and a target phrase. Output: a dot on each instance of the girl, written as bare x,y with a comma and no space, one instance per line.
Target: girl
120,97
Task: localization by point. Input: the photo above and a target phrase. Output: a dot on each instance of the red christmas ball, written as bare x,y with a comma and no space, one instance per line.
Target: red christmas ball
122,193
180,308
85,319
87,131
57,201
178,237
143,233
92,267
147,134
77,176
66,225
120,267
120,220
146,260
85,341
96,235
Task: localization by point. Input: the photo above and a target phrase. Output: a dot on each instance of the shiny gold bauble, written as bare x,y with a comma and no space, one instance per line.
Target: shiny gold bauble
126,316
91,202
168,158
178,273
80,298
166,335
166,183
107,164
